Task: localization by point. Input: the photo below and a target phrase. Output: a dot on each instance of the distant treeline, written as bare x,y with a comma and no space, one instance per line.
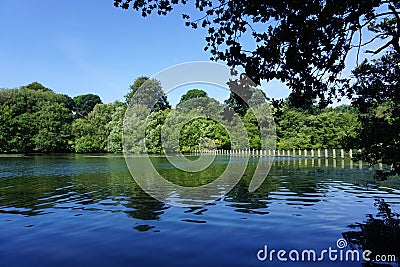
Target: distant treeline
34,119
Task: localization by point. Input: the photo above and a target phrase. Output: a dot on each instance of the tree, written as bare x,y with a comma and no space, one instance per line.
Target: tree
36,87
38,119
147,86
240,104
192,94
115,126
377,97
54,129
84,104
153,131
134,87
92,132
302,43
376,232
6,129
253,131
330,128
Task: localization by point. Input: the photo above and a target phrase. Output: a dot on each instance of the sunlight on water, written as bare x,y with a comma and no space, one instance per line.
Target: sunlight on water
88,211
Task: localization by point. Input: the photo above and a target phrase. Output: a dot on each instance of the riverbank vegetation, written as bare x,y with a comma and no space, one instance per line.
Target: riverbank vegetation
35,119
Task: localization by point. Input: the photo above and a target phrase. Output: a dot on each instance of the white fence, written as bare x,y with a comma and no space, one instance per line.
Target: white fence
317,157
297,153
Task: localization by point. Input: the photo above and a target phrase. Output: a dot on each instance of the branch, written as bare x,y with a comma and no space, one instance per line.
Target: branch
396,36
379,49
373,39
377,16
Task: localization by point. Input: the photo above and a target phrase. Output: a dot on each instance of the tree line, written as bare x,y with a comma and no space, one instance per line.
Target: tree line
35,119
306,45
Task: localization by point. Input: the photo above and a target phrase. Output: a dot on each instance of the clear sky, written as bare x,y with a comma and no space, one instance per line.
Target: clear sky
77,47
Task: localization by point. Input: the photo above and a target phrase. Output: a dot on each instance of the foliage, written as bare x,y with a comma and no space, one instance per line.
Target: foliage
377,97
35,119
153,131
192,94
142,88
196,125
377,232
253,130
115,126
6,129
203,133
302,43
84,104
92,133
42,121
134,87
54,132
35,86
240,103
330,128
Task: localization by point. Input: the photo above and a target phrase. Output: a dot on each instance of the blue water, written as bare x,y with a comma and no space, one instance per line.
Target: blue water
88,211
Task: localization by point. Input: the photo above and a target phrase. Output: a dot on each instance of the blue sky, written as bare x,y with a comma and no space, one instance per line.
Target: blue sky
77,47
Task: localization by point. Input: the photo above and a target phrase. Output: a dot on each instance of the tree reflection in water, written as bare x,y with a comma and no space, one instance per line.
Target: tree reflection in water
379,234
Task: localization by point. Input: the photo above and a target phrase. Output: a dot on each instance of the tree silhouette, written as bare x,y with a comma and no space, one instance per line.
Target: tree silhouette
380,234
302,43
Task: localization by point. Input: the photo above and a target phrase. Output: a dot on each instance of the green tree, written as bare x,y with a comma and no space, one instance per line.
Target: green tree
134,87
54,129
192,94
36,87
240,103
153,131
6,129
330,128
378,101
253,130
91,132
115,126
148,88
84,104
38,116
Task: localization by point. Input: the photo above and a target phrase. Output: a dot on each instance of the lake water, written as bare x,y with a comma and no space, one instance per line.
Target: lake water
88,211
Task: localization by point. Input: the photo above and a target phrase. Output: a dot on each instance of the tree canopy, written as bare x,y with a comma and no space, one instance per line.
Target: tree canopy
306,45
377,97
192,94
41,121
302,43
147,86
35,120
84,104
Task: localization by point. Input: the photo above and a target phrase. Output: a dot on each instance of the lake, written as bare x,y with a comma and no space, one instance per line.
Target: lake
71,210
